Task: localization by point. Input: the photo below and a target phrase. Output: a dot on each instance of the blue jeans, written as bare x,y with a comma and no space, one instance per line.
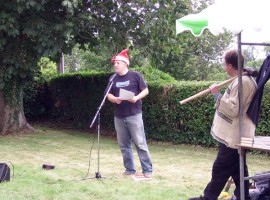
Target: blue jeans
130,129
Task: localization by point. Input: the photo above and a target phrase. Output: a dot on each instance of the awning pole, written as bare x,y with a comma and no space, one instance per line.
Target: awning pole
240,96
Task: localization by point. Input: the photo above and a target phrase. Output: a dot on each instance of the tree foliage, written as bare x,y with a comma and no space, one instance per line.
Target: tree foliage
183,56
29,30
252,59
32,29
48,68
148,29
86,60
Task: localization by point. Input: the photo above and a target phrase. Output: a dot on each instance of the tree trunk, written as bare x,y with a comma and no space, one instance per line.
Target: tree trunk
12,118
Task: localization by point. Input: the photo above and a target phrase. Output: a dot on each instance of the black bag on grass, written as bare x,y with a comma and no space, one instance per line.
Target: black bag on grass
4,172
262,187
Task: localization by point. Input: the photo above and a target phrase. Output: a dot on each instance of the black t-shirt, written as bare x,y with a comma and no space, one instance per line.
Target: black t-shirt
133,82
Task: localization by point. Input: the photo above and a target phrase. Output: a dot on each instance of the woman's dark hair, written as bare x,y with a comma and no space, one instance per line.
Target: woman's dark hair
231,57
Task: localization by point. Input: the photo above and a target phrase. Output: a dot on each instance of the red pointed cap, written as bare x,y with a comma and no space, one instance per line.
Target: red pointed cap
122,56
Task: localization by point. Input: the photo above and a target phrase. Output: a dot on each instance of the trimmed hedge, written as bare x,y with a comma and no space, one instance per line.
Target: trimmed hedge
190,123
77,97
167,120
37,99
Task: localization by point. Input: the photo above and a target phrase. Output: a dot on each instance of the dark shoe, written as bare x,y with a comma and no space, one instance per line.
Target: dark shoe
198,198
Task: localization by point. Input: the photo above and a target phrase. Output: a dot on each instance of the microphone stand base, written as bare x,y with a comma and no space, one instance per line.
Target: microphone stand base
98,175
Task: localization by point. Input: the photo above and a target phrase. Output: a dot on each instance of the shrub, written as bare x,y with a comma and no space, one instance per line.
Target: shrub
37,99
77,97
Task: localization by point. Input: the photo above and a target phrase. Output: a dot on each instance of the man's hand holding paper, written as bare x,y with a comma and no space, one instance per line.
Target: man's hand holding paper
125,94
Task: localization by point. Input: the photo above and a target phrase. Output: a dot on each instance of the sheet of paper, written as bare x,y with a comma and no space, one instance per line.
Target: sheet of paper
125,94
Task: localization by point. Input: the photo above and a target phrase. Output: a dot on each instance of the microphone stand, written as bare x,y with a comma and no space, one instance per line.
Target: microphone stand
97,116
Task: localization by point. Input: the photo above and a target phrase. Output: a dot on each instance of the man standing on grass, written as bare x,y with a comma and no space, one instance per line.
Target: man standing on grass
225,130
128,115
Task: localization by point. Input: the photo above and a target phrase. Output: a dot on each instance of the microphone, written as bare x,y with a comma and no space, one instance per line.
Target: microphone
112,77
110,83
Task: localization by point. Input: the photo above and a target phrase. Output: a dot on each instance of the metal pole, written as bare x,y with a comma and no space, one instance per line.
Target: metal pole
98,175
240,96
62,64
97,116
257,44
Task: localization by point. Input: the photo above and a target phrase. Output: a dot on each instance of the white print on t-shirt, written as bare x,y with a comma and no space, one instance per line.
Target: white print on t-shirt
122,84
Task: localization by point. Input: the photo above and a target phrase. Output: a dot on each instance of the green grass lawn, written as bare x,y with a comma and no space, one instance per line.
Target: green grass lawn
180,171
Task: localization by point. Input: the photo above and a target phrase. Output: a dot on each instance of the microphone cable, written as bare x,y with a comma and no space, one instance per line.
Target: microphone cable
89,162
